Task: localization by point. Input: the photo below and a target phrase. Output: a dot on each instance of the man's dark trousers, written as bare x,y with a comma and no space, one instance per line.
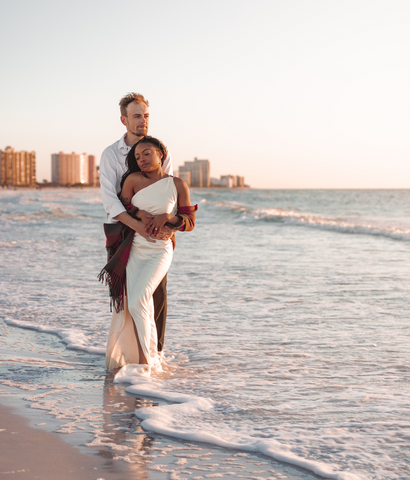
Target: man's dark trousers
160,311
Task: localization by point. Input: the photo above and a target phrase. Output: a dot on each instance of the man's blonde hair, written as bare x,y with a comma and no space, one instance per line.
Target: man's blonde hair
129,98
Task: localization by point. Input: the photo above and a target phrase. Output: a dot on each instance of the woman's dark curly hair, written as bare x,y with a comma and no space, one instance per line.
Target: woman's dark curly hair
131,162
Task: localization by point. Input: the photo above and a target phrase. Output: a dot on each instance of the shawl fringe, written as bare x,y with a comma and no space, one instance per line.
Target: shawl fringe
116,288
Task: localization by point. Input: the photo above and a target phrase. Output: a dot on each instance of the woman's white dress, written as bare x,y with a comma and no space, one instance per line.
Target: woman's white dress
147,265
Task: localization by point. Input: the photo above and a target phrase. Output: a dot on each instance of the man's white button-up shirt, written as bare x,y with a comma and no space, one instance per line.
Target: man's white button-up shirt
112,168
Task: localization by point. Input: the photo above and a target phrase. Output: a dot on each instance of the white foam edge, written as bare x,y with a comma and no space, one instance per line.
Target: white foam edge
359,226
159,419
72,338
334,224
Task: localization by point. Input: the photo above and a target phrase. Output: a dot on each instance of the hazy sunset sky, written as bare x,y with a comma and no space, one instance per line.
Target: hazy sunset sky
288,93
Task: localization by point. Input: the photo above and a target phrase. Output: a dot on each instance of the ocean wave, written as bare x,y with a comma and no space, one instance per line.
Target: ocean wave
93,200
233,206
295,218
41,215
73,338
172,420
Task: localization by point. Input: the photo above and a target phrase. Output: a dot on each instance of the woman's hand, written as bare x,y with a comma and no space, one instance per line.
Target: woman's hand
164,233
157,222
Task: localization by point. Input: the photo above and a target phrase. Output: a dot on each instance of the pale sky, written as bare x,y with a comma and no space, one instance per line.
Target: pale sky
288,93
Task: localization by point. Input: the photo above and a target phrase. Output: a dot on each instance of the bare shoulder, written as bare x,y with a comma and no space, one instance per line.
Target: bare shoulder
184,198
133,179
180,184
132,184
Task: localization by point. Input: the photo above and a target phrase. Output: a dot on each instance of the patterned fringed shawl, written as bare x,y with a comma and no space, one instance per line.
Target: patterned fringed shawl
119,239
188,217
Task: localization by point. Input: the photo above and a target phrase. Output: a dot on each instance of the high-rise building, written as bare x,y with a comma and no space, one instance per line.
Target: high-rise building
55,172
72,168
91,170
229,180
206,172
17,168
199,172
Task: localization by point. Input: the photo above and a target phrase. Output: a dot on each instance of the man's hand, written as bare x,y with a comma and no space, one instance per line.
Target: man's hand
139,228
145,217
136,225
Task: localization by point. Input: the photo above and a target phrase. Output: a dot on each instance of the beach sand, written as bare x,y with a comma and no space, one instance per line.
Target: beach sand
62,417
31,453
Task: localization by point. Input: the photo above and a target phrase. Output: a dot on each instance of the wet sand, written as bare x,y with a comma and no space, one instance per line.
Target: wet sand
28,453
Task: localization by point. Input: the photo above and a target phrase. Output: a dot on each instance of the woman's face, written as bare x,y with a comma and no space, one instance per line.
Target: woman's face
148,157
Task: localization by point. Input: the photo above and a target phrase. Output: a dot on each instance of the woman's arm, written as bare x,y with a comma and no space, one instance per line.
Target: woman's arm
184,198
127,191
131,185
124,217
185,210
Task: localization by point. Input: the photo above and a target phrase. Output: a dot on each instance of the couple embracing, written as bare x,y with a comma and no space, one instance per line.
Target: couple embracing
145,206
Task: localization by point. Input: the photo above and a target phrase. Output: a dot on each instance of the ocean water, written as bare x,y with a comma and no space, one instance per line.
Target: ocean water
288,329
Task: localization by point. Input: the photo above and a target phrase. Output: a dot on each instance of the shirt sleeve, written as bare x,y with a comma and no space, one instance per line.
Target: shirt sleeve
167,166
108,180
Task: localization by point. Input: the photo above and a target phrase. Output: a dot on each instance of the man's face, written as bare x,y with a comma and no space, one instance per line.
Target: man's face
137,119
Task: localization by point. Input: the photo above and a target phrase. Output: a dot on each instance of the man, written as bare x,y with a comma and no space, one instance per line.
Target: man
135,117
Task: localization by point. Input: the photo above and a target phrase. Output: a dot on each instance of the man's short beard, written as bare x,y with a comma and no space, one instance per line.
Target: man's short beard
141,132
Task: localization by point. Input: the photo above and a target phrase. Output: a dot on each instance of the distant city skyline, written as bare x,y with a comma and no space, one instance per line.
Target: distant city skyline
289,94
18,168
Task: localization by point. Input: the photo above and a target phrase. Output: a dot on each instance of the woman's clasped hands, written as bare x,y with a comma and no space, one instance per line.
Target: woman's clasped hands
155,224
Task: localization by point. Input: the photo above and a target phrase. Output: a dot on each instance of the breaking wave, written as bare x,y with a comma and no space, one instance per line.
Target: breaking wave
342,225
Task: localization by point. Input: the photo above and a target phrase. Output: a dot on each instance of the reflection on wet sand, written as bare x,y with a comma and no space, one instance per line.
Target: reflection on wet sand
118,421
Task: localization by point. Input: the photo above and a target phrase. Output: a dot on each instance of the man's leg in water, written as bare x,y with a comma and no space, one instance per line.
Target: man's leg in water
160,311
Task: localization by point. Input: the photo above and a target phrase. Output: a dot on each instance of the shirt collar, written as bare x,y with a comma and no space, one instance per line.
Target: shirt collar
122,146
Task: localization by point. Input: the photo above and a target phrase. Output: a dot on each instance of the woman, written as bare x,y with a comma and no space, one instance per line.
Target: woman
159,198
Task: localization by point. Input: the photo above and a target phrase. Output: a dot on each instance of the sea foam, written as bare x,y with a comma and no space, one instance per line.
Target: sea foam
74,339
171,420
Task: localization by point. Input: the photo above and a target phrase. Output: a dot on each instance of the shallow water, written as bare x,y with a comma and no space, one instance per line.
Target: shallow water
287,310
69,392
